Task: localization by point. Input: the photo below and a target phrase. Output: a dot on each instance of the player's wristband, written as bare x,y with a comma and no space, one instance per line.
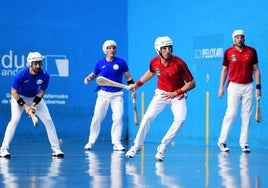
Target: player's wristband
130,82
37,99
21,101
179,92
139,83
258,86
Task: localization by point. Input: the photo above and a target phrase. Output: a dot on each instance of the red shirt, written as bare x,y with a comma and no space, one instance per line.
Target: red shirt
172,76
240,64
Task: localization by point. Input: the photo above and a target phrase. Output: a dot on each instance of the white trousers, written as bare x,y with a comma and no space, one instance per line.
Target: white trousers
104,100
238,93
42,112
158,103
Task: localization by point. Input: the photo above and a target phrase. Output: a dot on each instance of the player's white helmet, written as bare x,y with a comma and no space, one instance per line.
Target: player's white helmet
237,32
162,41
106,44
34,56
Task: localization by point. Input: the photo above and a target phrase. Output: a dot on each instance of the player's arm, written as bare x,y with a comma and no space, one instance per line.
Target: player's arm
20,100
128,78
181,91
223,76
147,76
130,81
38,97
257,78
89,77
15,95
188,86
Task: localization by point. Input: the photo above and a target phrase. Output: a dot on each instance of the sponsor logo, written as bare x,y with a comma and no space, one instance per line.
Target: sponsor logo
208,53
233,58
157,71
116,67
56,65
208,47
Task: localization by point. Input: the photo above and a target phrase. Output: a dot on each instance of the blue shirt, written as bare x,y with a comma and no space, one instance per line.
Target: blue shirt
112,70
29,85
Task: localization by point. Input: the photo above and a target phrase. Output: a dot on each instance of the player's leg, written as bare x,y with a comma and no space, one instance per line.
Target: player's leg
233,100
100,110
44,115
246,112
156,105
117,106
16,112
179,110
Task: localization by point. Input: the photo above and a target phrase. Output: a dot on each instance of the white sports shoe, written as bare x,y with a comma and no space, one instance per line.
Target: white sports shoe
4,153
119,147
160,152
223,147
133,151
57,153
89,146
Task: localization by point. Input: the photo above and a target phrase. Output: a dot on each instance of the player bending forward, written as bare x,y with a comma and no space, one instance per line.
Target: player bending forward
174,80
28,89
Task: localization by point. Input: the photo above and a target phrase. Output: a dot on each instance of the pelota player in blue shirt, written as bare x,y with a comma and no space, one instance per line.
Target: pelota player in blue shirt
112,68
28,89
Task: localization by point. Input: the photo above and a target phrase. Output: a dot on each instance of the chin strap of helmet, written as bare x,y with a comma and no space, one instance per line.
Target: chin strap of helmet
162,56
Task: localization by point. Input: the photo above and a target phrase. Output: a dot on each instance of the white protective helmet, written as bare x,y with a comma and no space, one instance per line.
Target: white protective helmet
237,32
106,44
162,41
34,56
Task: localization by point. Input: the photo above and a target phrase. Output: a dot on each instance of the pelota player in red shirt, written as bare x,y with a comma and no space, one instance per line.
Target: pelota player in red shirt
174,80
240,63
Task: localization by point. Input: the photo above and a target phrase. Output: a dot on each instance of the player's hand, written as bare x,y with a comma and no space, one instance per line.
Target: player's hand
33,109
181,96
220,92
86,80
169,95
258,92
132,87
29,109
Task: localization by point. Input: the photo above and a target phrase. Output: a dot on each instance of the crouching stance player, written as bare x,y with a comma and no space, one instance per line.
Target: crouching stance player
28,89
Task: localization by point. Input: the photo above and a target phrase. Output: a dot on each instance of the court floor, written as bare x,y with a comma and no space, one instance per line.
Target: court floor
31,165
